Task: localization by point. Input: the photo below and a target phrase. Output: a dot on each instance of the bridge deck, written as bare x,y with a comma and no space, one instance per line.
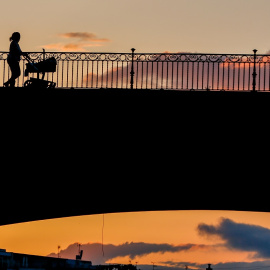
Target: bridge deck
103,152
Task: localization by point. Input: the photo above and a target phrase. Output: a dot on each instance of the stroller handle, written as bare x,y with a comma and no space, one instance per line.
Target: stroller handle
26,57
30,61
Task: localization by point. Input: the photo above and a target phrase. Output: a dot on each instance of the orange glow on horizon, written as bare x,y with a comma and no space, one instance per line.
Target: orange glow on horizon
175,228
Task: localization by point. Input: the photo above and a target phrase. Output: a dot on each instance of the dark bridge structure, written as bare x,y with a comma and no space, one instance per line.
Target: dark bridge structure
153,71
69,157
129,186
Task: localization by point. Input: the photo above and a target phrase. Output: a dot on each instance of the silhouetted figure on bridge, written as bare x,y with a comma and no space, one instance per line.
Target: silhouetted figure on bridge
14,58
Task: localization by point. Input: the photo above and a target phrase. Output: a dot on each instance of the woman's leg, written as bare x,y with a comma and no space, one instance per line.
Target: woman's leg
15,73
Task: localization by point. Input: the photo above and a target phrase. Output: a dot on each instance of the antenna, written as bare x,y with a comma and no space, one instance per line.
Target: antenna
102,246
79,245
80,253
153,265
58,251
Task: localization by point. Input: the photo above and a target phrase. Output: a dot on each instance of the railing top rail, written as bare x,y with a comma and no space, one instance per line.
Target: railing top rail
147,57
144,53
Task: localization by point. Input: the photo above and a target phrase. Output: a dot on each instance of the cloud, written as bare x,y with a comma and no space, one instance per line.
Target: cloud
180,265
70,47
139,249
84,36
81,42
174,265
240,236
93,251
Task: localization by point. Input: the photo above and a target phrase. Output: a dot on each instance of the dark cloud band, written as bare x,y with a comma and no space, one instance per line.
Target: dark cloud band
240,236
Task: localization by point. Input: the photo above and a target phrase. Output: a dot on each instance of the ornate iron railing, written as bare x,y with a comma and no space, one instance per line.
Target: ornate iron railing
177,71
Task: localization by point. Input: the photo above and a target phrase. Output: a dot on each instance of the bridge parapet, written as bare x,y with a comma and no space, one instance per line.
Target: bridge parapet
169,71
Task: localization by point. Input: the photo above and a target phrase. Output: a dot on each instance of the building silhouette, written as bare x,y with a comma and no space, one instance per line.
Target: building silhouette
18,261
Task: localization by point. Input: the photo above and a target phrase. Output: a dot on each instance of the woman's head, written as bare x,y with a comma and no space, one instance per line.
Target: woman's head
15,36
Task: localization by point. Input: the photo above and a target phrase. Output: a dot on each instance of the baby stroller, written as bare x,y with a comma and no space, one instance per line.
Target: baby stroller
47,65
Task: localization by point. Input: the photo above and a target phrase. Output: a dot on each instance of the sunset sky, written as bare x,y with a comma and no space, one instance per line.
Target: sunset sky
169,239
202,26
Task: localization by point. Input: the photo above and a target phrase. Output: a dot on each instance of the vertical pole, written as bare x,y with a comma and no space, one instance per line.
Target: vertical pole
254,72
132,69
43,54
43,73
58,251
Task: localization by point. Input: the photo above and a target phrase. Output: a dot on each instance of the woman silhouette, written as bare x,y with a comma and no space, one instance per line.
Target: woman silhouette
14,58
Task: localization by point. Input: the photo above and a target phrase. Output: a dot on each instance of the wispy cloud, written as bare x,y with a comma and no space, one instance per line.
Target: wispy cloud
92,251
240,236
77,42
84,36
70,47
170,265
181,265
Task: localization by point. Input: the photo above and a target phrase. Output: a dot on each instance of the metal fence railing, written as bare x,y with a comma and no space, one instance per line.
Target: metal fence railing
176,71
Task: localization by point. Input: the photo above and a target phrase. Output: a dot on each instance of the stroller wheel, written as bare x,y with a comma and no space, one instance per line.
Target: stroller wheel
51,84
27,83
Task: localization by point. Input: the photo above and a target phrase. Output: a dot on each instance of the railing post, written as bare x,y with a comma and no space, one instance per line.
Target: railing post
254,72
43,52
132,68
